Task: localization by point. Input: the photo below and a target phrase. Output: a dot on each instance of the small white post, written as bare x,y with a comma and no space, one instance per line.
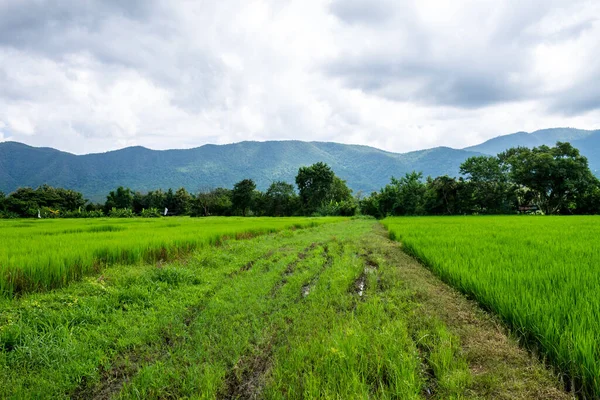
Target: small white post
166,211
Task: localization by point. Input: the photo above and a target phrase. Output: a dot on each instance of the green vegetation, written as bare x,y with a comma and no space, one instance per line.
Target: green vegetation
538,274
551,180
95,175
334,311
322,193
43,254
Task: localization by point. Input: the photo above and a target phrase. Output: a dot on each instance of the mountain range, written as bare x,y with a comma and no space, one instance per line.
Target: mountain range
364,168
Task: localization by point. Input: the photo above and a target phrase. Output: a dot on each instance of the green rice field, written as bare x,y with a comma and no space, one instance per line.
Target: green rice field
306,313
539,274
299,308
44,254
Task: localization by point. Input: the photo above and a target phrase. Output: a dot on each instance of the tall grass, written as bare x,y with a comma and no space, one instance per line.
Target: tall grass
540,274
45,254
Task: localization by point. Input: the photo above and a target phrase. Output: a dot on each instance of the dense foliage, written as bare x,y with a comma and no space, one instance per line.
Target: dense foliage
49,201
549,180
364,168
333,197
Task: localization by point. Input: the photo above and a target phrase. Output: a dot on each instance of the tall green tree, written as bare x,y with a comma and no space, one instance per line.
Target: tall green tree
556,176
139,202
314,185
156,199
169,199
410,194
69,200
339,191
120,198
181,202
369,205
487,185
212,202
242,195
442,196
404,196
588,201
23,202
280,199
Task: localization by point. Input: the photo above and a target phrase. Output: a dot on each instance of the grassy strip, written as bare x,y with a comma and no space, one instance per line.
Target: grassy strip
354,340
46,254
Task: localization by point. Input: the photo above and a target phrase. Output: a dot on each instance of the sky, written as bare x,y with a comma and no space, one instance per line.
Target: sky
89,76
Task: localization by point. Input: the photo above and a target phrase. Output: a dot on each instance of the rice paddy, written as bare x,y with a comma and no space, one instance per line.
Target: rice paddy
539,274
45,254
254,308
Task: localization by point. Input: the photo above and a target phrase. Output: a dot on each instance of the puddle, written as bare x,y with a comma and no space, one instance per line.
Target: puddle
305,290
360,285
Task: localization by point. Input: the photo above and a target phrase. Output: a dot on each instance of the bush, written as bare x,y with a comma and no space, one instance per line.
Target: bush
150,213
334,208
121,213
83,214
8,214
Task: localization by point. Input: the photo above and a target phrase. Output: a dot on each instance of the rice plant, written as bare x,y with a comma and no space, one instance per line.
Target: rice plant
539,274
45,254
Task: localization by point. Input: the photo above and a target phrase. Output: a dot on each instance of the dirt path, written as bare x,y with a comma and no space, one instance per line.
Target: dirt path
500,368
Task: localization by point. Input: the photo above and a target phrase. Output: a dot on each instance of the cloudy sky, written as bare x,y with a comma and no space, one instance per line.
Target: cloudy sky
91,76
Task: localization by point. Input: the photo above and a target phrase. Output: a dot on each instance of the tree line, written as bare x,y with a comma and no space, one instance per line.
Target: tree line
319,192
548,180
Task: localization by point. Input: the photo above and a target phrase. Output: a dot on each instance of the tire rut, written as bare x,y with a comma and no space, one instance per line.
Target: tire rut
126,365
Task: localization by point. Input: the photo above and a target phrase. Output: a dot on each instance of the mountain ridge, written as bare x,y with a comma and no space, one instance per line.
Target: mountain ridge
365,168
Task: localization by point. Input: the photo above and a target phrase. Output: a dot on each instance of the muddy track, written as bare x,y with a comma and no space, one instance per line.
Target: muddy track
291,267
306,289
248,265
246,378
126,365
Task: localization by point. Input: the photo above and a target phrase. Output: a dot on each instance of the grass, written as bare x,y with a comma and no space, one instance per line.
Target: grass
335,311
539,274
45,254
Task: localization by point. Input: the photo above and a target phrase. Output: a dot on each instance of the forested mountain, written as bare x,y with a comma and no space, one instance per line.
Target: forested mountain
364,168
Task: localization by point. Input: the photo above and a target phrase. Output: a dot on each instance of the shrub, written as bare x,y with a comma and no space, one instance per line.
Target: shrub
8,214
121,213
334,208
150,213
82,214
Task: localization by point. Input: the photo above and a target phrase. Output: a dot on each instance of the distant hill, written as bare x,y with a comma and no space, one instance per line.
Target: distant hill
588,142
364,168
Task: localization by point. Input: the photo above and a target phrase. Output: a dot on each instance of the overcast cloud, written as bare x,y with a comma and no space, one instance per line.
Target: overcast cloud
90,76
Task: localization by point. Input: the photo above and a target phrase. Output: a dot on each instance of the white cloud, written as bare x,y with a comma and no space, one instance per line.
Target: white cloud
399,75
